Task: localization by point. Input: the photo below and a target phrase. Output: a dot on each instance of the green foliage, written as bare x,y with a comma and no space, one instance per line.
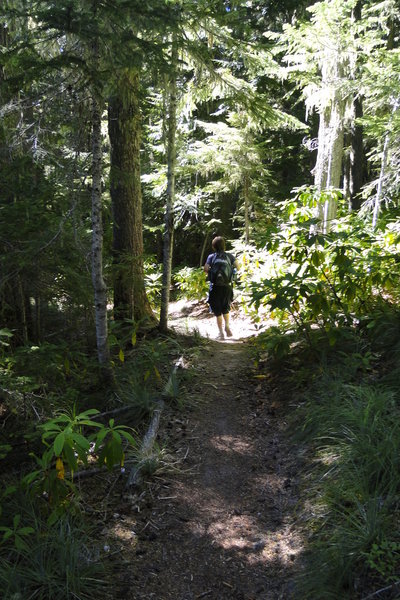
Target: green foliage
192,283
69,447
349,422
16,534
49,368
47,561
385,559
153,280
326,279
109,440
63,435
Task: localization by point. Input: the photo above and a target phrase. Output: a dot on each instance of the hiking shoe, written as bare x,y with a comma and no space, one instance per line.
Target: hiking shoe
221,336
228,332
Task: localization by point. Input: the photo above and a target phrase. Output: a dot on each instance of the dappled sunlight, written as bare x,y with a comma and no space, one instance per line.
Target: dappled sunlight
243,534
230,443
189,317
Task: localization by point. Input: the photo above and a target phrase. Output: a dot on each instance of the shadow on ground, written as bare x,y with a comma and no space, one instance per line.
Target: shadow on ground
221,523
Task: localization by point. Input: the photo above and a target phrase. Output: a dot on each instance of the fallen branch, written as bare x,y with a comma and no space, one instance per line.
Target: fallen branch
151,434
385,589
115,411
147,443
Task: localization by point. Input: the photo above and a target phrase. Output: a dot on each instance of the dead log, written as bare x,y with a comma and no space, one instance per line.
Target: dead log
151,434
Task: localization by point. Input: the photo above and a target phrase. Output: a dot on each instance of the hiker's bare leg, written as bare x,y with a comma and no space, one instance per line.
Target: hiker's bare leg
227,328
220,322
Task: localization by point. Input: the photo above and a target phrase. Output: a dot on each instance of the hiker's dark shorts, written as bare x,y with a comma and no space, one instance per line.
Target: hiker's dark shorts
220,298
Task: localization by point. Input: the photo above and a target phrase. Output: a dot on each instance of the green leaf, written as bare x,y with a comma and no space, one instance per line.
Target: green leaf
20,544
11,489
16,520
6,333
30,478
128,437
59,443
26,531
70,456
81,441
88,413
100,436
7,534
117,437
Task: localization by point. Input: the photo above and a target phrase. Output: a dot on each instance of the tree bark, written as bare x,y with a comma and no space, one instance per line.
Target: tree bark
169,214
246,194
328,169
203,249
100,289
124,123
356,155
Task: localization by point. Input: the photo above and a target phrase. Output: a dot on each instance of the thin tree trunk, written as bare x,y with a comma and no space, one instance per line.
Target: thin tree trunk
246,196
328,169
22,306
171,168
385,153
100,289
378,197
124,119
203,249
357,158
357,162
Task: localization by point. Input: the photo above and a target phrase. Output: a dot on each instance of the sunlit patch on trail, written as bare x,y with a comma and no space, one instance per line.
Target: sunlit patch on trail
241,533
230,443
189,317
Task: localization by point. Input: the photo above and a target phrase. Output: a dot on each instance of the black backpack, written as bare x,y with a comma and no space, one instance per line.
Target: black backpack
221,271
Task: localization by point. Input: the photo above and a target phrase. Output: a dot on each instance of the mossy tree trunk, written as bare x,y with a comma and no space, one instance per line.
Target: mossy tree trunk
328,168
124,122
169,209
100,289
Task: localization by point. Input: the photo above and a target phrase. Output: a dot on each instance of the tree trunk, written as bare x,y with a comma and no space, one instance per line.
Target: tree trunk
169,215
203,249
379,190
100,290
124,124
246,196
328,169
356,156
385,153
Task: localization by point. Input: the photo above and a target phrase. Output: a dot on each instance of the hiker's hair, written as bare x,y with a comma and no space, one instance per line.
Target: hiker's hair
218,244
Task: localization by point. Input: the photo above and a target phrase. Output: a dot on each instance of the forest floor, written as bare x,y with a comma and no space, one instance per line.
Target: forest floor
218,521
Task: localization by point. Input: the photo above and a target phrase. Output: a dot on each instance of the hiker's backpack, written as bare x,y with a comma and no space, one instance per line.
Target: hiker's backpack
221,271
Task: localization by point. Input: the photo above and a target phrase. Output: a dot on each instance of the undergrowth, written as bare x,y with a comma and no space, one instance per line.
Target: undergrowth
58,561
60,421
347,417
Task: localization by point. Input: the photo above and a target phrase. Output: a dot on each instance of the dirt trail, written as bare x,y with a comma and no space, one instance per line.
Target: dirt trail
222,526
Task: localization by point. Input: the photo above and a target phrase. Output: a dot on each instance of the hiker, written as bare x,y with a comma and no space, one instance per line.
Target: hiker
220,267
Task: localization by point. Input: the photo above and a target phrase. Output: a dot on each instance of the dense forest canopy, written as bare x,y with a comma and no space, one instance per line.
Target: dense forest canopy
132,133
215,110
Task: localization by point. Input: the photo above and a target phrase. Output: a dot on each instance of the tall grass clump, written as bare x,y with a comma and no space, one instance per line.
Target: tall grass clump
350,424
43,561
334,298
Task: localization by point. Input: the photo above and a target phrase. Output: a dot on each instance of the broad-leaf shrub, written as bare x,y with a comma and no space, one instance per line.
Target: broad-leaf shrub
71,439
192,283
327,279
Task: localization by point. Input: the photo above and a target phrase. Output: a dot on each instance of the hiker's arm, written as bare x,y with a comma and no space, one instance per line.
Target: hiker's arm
206,268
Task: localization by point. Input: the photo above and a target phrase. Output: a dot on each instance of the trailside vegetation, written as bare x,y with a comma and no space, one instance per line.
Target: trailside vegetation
130,135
